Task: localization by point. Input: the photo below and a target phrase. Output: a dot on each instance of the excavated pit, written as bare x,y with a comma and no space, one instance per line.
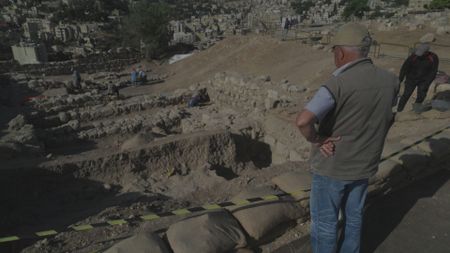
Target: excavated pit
104,158
169,173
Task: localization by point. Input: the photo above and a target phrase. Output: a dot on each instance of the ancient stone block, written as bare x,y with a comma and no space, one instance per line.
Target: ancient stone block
17,123
272,94
55,92
294,156
63,117
270,140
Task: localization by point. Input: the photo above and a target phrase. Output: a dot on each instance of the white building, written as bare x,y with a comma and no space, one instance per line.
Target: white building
44,25
64,33
182,37
37,28
31,31
29,53
87,28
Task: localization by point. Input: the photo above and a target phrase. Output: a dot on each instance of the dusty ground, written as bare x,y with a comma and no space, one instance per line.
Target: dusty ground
414,219
70,200
292,60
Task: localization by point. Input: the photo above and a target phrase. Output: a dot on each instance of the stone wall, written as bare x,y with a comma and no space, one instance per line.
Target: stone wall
284,139
154,160
92,64
252,93
93,106
83,66
89,118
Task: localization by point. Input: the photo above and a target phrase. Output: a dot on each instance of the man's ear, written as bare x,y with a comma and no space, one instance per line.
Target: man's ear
341,54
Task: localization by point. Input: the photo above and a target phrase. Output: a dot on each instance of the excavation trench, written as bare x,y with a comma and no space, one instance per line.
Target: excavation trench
174,172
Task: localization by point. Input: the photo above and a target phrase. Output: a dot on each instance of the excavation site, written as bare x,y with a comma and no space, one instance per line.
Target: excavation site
200,149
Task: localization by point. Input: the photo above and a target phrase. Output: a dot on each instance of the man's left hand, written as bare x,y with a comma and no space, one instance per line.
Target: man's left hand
327,146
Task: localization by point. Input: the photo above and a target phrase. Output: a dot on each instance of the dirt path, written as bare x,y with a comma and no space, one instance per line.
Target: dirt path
415,219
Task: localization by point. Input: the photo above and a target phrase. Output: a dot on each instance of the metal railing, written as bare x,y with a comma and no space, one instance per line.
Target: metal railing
380,49
313,34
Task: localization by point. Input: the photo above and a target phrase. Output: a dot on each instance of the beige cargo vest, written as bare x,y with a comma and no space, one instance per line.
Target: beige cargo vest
364,95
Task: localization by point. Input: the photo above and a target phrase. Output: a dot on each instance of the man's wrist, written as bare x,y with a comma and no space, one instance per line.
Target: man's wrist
315,139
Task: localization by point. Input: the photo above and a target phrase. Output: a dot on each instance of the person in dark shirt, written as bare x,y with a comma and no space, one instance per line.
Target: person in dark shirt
419,69
286,26
76,78
199,98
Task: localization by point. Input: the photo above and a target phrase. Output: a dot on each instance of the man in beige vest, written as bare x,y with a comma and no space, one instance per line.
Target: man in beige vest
353,110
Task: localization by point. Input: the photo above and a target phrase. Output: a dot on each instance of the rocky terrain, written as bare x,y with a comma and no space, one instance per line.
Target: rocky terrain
77,156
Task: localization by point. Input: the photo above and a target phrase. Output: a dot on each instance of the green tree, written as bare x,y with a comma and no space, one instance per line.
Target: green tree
439,4
397,3
81,10
355,8
148,24
89,10
301,6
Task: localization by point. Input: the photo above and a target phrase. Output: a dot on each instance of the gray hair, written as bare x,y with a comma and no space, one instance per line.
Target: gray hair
422,48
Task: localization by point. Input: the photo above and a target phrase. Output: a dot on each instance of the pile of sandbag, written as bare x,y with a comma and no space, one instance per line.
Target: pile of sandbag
234,228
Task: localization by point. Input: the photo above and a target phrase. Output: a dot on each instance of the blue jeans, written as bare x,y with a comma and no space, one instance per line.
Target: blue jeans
328,196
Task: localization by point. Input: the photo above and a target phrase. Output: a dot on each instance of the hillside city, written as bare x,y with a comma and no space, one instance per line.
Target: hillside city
37,32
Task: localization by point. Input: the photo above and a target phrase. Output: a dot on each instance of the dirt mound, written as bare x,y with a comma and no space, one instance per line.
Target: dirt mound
292,60
254,55
137,141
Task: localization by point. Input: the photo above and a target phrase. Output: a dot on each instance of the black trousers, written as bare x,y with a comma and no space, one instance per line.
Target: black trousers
422,90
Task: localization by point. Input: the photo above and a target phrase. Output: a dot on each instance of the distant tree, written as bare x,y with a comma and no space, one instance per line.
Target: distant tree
376,13
148,23
4,3
81,10
301,6
397,3
335,10
110,5
31,3
439,4
355,8
89,10
8,37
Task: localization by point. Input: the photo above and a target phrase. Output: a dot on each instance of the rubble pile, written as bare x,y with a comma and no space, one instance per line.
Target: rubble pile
253,93
20,140
92,65
437,21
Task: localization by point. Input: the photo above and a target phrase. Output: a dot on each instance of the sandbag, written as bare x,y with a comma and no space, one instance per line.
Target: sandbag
143,242
260,218
296,183
243,251
389,171
213,232
414,161
438,146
